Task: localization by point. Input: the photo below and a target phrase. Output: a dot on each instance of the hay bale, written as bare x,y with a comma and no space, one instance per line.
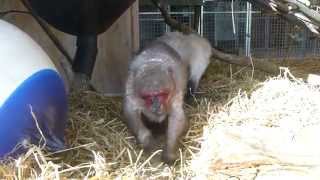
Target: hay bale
314,79
271,134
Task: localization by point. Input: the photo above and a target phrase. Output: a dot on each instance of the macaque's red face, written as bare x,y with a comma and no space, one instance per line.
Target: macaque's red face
156,102
154,86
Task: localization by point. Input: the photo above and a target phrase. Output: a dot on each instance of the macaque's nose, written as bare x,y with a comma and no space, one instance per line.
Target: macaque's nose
155,104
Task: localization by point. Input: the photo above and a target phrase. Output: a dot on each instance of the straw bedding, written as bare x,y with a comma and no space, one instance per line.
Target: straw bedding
100,147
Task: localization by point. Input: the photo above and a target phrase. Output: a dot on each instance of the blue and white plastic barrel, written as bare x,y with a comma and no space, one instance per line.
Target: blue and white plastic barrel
33,102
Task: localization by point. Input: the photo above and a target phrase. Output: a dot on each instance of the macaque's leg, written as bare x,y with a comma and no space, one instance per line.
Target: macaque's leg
177,127
136,126
196,72
190,89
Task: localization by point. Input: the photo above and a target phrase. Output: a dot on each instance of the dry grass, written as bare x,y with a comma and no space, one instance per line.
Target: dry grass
301,68
102,148
269,133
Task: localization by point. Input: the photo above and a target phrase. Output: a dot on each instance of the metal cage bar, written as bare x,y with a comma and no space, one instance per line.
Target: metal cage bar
271,36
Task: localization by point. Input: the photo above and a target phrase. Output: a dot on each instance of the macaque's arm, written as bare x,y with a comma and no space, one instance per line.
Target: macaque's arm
134,122
177,126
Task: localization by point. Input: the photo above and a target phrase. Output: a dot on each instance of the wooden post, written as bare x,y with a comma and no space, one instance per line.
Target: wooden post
116,49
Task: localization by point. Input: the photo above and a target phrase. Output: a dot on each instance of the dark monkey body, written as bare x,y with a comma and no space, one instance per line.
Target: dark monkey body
156,85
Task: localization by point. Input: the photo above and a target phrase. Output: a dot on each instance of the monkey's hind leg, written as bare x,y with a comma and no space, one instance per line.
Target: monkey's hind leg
196,70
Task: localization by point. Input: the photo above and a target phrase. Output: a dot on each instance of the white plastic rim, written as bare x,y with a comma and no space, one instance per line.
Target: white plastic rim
20,57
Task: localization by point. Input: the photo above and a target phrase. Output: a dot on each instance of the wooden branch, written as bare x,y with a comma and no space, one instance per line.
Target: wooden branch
295,11
47,30
174,24
4,13
264,66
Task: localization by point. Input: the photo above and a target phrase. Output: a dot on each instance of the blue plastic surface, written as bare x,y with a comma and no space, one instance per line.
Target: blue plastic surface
44,94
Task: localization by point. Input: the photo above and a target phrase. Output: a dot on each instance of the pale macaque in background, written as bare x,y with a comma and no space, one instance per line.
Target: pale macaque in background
195,52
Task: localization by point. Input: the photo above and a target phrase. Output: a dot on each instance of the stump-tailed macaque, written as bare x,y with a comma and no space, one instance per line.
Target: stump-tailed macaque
156,85
195,52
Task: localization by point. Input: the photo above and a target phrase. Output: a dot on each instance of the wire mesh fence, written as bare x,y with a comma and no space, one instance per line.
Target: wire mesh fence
225,25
